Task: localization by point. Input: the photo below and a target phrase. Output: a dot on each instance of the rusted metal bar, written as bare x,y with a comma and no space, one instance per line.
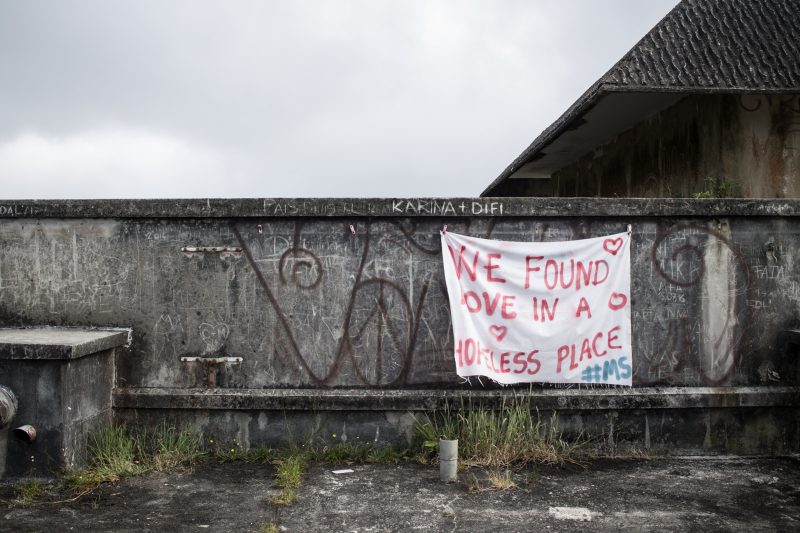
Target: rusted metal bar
212,360
211,365
222,250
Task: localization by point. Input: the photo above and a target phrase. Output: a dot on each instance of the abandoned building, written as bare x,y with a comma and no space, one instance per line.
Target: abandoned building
708,103
258,321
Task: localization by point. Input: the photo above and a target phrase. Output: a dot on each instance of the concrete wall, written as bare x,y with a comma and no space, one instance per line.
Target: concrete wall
752,141
307,304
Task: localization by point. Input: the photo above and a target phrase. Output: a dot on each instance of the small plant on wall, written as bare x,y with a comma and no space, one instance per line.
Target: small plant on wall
718,188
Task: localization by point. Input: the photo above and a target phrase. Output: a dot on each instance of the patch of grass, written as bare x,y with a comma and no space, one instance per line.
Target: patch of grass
115,452
292,462
341,453
289,471
718,188
113,455
501,480
386,456
284,497
492,480
346,453
28,493
227,455
87,479
439,425
262,454
512,435
172,449
270,527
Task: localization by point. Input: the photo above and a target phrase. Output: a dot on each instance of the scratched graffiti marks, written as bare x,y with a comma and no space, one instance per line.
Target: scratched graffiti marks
193,304
396,267
306,275
368,294
773,301
310,304
69,268
666,356
425,237
346,293
702,274
380,331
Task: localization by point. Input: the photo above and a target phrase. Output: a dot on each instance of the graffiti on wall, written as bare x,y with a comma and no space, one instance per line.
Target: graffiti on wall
310,302
702,334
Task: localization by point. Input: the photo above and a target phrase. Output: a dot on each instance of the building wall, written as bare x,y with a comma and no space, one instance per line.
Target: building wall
315,308
307,303
749,141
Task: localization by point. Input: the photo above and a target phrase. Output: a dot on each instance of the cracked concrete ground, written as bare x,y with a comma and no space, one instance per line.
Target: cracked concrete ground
676,494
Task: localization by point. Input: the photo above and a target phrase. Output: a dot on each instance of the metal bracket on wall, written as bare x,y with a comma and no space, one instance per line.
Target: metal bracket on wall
224,251
212,365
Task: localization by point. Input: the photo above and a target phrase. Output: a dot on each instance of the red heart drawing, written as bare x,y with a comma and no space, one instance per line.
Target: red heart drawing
617,301
499,332
612,246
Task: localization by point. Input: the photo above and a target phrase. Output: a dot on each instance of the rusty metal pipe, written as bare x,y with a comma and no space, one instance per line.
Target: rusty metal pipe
26,433
8,406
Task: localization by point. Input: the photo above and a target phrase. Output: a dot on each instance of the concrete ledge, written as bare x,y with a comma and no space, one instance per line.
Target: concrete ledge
422,400
398,207
57,343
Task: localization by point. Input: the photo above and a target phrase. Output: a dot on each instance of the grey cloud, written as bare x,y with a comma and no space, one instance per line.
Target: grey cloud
302,98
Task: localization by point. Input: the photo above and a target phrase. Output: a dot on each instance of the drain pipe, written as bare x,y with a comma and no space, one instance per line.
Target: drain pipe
26,433
8,406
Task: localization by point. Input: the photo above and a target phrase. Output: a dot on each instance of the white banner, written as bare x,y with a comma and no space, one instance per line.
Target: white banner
555,312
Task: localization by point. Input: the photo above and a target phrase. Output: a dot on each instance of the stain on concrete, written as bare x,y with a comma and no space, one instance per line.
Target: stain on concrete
621,495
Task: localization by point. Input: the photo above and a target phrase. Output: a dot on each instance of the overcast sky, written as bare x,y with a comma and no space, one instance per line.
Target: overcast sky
186,99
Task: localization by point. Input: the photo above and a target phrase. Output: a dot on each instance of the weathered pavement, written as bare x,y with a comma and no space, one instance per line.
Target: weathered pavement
686,494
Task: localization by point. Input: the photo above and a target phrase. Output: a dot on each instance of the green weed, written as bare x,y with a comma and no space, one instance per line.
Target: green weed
346,453
289,471
270,527
443,424
115,452
284,497
512,435
28,493
490,481
341,452
385,456
262,454
227,455
288,476
717,188
172,448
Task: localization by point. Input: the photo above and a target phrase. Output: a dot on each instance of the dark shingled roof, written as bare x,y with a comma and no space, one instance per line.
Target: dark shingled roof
721,46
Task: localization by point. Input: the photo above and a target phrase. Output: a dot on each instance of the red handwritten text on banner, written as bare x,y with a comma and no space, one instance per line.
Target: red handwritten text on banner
555,312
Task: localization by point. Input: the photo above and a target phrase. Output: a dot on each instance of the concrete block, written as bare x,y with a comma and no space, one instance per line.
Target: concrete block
62,378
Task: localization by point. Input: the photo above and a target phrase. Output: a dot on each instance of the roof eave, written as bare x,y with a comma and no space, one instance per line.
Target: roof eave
576,110
591,97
